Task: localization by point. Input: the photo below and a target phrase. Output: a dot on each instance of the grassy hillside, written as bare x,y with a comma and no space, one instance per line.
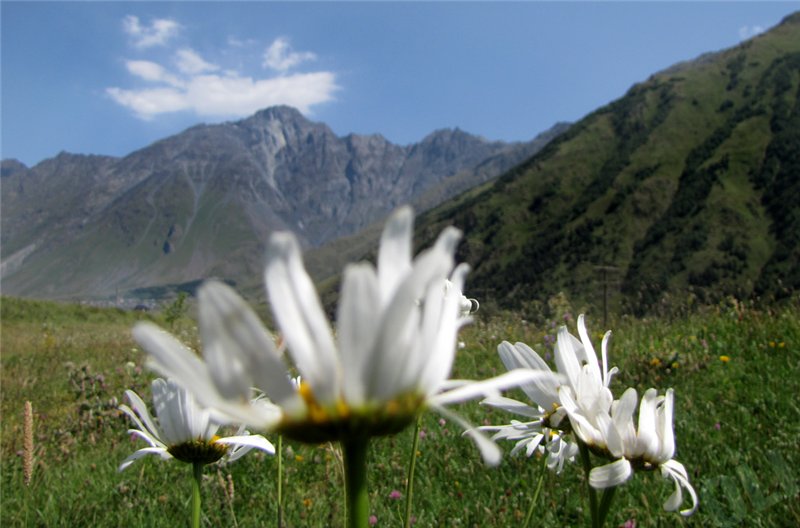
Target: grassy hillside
688,186
736,426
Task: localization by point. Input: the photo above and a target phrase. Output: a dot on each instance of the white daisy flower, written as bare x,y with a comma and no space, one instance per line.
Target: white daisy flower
183,429
391,357
540,432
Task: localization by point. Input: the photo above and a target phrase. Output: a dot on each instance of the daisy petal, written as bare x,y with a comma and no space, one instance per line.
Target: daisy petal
394,253
674,470
543,390
591,355
173,360
486,388
238,350
514,406
299,313
610,475
489,451
160,451
141,412
256,441
359,306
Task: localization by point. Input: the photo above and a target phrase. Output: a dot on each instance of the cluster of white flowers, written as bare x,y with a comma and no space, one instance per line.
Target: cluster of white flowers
388,359
579,391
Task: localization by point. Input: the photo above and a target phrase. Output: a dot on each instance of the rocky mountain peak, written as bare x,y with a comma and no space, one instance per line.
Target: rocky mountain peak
204,202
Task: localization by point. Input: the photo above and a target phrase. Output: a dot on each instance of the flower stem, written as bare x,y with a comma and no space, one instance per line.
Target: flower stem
197,472
535,498
587,467
279,452
412,464
605,505
355,481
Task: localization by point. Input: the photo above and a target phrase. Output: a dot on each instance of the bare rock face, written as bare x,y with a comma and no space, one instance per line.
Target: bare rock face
203,202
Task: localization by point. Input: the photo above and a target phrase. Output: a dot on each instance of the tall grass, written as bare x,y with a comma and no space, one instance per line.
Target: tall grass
737,427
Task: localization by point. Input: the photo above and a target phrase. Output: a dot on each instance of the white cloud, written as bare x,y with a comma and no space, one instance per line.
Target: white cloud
280,57
187,82
150,102
746,32
230,95
151,71
236,42
191,63
214,95
158,33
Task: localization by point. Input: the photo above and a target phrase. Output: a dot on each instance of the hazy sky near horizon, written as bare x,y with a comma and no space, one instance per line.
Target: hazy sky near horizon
112,77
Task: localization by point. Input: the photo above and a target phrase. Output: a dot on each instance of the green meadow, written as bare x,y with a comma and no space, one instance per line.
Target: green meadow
735,369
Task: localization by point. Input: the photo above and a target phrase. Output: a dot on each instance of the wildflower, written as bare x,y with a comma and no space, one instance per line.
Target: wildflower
535,434
651,446
724,359
580,391
579,379
182,429
373,520
395,495
395,345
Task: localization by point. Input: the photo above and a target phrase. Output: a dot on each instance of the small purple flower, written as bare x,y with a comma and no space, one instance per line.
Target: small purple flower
373,520
630,523
396,495
717,426
422,434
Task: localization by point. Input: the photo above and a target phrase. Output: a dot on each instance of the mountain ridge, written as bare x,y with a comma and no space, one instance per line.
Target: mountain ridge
685,189
202,202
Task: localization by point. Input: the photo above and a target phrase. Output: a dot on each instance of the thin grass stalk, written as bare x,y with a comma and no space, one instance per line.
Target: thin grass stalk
535,498
605,505
27,443
197,473
412,464
279,452
587,467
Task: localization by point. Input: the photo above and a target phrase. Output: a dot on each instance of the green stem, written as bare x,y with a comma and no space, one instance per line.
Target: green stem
197,471
355,481
536,493
412,464
279,452
587,467
605,505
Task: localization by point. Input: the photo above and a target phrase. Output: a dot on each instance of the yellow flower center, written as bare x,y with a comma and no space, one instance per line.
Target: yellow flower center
199,450
335,421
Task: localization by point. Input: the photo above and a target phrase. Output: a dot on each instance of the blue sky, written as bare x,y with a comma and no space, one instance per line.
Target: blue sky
112,77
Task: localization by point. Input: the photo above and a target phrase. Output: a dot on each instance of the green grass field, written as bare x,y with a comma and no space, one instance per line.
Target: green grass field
737,426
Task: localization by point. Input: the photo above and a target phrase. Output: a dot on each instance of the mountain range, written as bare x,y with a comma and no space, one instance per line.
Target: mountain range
684,190
203,202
